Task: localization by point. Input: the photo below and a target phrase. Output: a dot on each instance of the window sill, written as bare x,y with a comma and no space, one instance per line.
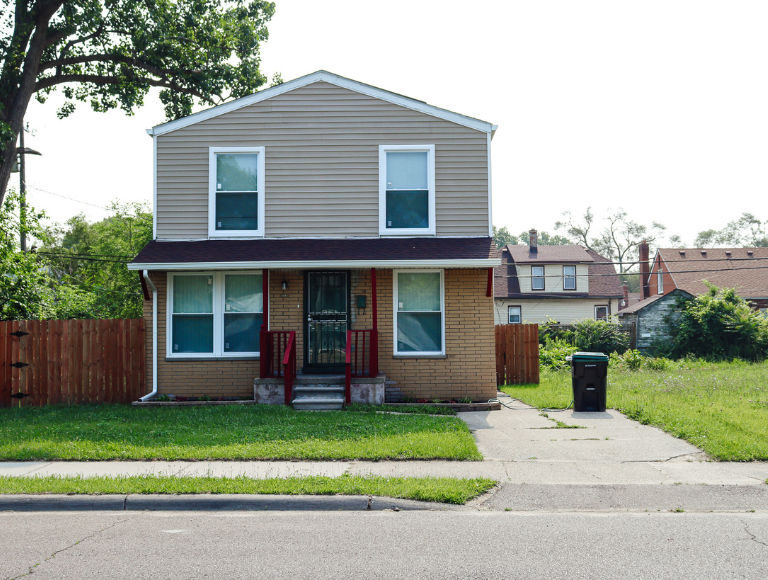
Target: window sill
207,358
417,355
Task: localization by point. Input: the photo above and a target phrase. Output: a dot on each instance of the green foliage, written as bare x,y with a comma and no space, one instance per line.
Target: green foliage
599,336
747,231
720,325
102,286
634,360
502,237
552,355
25,289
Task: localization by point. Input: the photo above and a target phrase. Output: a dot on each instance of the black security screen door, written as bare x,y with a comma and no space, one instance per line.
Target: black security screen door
327,320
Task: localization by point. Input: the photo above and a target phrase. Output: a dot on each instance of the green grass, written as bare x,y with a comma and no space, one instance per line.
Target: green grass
722,408
104,432
438,489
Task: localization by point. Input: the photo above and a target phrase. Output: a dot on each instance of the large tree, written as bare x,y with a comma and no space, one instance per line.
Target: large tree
747,231
112,52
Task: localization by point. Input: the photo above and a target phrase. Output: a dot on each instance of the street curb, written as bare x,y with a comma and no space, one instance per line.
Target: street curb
208,502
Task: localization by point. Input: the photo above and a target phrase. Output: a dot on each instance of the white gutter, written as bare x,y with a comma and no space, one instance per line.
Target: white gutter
286,265
152,287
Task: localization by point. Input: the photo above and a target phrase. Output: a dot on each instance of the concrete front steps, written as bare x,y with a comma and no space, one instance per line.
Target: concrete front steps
318,392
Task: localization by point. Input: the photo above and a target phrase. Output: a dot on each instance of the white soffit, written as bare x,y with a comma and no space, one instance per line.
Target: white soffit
333,79
326,264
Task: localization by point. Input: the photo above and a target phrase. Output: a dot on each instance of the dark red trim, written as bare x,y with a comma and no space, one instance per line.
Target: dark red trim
265,294
374,301
489,291
144,289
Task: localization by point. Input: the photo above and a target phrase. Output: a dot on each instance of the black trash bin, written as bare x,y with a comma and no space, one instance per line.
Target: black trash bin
589,377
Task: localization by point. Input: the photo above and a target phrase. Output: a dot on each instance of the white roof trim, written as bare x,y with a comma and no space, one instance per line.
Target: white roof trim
333,79
309,265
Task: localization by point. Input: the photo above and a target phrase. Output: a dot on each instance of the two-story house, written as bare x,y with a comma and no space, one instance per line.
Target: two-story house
321,228
562,283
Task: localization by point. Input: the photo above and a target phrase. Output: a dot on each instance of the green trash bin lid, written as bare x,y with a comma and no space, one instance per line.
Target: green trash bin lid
590,356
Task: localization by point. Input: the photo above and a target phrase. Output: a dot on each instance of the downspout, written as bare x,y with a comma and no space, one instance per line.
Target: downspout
152,287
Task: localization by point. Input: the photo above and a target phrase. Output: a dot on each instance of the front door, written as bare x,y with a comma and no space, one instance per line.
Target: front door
327,320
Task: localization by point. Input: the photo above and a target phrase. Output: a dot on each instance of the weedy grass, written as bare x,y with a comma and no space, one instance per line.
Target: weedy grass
722,408
437,489
107,432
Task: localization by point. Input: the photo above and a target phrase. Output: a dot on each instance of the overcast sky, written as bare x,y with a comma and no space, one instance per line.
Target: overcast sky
659,107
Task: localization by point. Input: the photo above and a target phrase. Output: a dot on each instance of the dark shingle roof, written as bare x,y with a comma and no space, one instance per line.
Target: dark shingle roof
603,280
748,274
648,301
311,250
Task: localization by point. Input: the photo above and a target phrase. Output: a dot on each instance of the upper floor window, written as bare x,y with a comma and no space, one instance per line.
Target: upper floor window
537,277
660,281
569,277
236,191
406,189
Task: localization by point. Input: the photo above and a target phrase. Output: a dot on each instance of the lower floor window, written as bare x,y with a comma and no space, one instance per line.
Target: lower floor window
215,314
515,314
601,313
419,312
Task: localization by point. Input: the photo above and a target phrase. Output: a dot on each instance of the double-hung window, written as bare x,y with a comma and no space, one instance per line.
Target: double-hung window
236,191
601,313
569,277
419,312
537,277
660,281
406,190
515,315
215,314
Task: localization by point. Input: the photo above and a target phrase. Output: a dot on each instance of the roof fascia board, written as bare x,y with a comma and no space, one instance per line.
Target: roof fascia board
324,76
286,264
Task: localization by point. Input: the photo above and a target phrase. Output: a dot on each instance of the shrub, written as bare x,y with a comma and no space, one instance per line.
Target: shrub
599,336
551,330
720,325
552,355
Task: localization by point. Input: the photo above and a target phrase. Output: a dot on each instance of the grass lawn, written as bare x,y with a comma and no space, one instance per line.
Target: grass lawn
103,432
722,408
439,489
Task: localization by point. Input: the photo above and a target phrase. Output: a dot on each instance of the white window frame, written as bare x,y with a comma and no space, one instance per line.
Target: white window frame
261,205
519,313
660,281
567,276
383,229
395,285
218,317
607,312
543,279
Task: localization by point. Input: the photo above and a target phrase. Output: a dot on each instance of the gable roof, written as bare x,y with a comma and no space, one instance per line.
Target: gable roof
723,267
339,81
648,301
571,253
603,280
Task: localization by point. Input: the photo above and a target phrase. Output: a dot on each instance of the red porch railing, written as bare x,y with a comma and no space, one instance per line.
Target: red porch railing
289,366
278,357
362,357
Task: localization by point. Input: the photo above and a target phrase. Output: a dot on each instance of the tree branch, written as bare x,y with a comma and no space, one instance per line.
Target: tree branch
108,57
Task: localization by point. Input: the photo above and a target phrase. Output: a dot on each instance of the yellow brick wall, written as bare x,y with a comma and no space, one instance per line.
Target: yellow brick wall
467,370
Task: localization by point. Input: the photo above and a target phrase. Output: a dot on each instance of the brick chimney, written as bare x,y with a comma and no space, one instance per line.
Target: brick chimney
533,241
625,302
644,268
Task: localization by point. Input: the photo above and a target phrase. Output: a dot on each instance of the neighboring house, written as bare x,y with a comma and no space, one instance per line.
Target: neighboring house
744,269
653,318
564,283
321,206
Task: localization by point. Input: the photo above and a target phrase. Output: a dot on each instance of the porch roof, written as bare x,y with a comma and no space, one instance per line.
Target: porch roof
317,253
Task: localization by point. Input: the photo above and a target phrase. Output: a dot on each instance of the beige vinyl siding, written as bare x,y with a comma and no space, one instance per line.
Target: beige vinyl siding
553,278
565,311
322,167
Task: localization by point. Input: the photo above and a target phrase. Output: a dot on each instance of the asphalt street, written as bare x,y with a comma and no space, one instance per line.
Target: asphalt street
383,544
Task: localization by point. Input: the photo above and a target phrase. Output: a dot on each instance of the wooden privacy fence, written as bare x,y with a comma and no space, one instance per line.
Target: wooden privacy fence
44,362
517,354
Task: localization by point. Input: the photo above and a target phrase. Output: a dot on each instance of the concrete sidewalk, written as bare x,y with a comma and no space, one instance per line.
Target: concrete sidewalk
520,447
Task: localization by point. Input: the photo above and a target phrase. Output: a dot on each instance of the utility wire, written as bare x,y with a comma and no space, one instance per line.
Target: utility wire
66,197
77,255
84,259
712,270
